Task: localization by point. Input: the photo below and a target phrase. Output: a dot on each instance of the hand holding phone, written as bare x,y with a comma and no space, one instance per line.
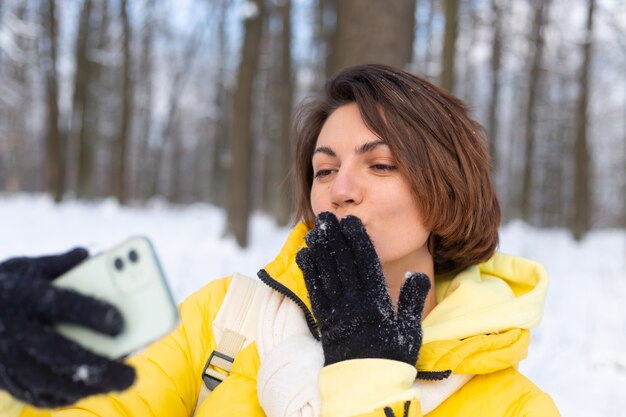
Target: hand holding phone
130,278
37,365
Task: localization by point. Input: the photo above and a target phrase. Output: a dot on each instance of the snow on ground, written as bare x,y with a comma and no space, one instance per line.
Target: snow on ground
578,354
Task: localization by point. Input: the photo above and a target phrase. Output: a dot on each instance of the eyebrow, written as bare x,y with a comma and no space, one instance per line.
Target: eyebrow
365,148
370,146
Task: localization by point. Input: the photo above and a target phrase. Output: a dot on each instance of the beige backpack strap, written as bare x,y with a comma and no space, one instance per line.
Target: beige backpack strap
234,328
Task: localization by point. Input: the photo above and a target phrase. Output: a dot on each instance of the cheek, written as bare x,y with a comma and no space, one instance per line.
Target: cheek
397,240
318,201
402,230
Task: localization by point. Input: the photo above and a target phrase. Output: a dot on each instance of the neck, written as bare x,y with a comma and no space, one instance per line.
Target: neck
395,272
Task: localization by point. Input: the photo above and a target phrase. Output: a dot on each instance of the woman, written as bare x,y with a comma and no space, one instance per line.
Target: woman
392,269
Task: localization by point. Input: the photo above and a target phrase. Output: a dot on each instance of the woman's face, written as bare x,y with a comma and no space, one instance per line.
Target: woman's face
355,173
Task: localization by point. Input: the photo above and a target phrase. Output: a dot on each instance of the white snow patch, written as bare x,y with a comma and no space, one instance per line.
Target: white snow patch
82,374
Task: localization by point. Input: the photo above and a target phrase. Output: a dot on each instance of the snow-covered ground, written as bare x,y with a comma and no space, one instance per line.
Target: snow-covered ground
578,354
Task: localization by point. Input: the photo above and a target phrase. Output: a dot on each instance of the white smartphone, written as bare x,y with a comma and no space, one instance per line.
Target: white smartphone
129,277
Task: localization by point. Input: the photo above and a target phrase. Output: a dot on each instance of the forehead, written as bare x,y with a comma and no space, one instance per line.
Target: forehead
345,130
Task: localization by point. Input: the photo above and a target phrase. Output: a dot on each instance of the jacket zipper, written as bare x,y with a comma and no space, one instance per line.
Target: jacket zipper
277,286
433,375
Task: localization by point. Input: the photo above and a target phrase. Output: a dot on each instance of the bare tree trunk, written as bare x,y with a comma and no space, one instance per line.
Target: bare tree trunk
16,115
282,202
55,143
239,193
145,106
560,145
582,199
121,145
96,175
218,145
177,162
624,173
266,117
496,65
449,44
373,31
324,34
537,46
79,126
429,37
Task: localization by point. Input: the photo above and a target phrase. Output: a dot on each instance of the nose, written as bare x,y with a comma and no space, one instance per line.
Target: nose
346,189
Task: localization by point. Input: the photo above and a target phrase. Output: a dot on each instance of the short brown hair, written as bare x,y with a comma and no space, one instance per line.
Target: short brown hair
437,145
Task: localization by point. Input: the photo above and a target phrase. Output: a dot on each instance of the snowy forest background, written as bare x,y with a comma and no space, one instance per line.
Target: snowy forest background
170,118
190,100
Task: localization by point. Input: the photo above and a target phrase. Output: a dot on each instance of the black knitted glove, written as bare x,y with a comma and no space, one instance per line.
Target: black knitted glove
37,365
350,300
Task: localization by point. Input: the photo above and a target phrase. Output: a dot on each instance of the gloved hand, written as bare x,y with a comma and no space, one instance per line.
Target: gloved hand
37,365
349,297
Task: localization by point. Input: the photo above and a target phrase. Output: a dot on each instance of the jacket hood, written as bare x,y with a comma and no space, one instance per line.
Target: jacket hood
481,320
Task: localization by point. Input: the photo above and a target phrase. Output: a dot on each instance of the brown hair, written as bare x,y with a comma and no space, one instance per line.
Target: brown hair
442,152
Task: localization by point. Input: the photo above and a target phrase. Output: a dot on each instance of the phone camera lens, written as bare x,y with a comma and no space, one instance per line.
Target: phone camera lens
133,256
119,264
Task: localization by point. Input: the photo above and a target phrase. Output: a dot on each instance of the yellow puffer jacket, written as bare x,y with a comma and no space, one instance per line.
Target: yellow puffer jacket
479,327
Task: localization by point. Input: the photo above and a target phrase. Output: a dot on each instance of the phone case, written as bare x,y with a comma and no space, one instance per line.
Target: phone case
129,277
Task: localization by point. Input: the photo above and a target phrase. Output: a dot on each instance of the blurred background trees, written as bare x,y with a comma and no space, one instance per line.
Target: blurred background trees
192,100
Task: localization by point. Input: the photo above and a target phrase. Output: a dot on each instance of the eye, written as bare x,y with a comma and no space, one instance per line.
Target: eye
323,173
384,167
